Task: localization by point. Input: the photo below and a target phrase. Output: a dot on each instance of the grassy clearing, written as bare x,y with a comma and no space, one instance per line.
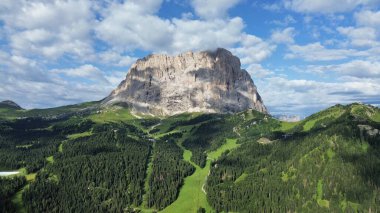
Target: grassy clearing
113,115
31,177
60,147
285,126
356,109
241,177
187,156
50,159
290,174
22,171
334,113
79,135
376,117
169,121
17,198
192,197
364,147
160,135
319,189
330,153
309,124
344,204
320,201
362,111
230,144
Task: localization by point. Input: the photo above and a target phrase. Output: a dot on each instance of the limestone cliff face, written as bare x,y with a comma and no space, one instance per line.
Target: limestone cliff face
208,81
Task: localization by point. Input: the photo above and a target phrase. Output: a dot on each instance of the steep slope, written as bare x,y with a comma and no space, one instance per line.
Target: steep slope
208,81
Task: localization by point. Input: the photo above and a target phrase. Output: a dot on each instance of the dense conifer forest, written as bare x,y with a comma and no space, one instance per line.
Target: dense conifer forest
168,174
334,166
77,159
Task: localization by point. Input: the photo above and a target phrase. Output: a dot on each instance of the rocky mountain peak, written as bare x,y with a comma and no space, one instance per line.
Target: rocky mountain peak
206,81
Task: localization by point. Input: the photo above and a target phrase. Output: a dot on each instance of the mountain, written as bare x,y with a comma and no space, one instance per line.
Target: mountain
9,104
207,81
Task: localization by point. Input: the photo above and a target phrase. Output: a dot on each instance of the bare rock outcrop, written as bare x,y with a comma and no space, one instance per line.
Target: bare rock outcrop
207,81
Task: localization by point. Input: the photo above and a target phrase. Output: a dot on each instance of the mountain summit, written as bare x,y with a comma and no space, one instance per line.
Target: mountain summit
206,81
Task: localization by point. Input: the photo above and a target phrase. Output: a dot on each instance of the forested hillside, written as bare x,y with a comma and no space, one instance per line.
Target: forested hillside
84,158
328,162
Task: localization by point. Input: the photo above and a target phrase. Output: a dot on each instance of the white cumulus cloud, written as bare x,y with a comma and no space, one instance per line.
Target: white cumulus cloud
317,52
211,9
87,71
361,37
253,49
368,18
48,28
327,6
283,36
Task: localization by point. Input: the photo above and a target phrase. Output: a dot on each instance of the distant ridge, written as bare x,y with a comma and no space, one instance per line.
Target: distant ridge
9,104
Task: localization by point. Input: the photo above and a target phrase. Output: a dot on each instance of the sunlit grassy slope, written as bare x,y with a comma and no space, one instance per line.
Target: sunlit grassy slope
331,114
285,126
112,115
17,198
79,135
376,117
193,195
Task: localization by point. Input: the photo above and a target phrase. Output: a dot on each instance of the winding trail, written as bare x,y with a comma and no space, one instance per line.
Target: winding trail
154,126
203,186
136,116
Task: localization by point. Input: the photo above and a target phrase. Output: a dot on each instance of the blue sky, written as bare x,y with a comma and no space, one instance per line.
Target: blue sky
303,55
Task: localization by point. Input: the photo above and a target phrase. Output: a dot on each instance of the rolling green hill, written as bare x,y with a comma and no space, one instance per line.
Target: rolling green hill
87,158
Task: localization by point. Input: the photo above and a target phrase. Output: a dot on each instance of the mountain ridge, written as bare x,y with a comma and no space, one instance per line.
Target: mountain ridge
10,104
